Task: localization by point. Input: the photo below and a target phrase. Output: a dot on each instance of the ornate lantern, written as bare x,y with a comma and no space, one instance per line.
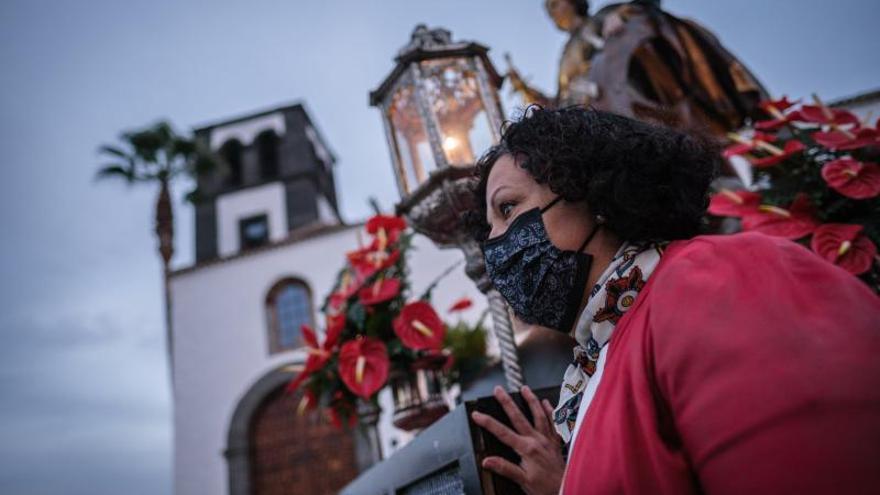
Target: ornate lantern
441,109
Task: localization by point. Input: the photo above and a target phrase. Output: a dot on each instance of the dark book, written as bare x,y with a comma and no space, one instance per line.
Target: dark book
445,458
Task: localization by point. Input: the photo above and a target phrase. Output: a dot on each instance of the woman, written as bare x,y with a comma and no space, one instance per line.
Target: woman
705,364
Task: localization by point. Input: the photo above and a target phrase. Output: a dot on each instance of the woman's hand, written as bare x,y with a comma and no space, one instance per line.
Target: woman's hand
540,448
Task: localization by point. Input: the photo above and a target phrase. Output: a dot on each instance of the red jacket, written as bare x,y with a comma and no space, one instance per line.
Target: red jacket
747,365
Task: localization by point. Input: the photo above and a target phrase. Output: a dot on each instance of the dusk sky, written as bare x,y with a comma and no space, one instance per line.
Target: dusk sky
84,399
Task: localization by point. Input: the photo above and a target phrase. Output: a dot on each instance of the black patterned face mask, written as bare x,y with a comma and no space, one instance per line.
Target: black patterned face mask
542,283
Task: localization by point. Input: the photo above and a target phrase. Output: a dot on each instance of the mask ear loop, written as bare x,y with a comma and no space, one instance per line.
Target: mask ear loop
590,237
551,204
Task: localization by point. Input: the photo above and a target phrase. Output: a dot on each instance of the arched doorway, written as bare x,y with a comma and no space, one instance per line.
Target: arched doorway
273,450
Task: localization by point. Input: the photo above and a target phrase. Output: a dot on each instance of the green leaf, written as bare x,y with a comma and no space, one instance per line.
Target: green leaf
357,315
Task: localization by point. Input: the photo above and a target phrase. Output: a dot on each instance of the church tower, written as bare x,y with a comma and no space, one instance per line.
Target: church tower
276,175
269,245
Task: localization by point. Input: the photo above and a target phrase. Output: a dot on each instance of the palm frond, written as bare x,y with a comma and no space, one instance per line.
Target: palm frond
203,164
183,147
157,154
193,196
113,151
116,171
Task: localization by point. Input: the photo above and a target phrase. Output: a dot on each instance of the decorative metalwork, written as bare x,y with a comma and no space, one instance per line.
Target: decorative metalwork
506,343
419,396
423,38
440,109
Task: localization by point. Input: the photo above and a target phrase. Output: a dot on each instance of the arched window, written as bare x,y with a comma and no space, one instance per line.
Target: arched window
267,151
231,151
288,307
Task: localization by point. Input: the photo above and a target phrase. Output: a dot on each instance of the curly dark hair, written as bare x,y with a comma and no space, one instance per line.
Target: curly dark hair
650,183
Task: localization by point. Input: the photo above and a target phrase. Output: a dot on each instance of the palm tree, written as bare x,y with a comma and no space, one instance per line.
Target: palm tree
158,155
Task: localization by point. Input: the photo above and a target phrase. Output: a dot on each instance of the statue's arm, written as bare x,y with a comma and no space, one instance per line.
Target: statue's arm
530,94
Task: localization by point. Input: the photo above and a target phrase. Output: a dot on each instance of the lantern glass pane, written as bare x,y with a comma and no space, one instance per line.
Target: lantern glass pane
410,138
453,94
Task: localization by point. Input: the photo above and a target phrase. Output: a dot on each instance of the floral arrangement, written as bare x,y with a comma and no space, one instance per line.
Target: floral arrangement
816,182
371,327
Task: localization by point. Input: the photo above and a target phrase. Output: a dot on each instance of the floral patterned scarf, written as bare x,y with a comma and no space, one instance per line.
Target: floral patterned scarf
611,297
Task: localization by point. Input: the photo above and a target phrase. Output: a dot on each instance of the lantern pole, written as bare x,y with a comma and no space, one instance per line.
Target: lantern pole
475,267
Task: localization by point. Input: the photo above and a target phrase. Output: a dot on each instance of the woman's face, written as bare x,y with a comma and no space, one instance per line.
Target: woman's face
510,191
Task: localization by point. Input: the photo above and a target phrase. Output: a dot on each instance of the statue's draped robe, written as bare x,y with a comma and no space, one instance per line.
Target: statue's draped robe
679,74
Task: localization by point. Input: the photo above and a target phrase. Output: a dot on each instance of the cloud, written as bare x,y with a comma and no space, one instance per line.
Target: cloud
84,408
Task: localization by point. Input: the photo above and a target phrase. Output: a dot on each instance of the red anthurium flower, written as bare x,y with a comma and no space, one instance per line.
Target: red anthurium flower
772,124
309,336
776,156
792,223
335,325
350,282
852,178
419,327
363,366
379,291
367,261
843,140
727,203
387,222
461,305
844,245
820,114
386,228
759,140
318,357
774,108
336,303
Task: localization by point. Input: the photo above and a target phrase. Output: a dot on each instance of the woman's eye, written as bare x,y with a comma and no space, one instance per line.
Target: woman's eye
505,209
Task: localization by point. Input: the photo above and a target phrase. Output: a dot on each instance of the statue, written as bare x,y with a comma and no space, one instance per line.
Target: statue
637,60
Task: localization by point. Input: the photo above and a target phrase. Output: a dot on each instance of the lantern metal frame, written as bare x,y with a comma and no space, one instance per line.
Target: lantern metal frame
435,205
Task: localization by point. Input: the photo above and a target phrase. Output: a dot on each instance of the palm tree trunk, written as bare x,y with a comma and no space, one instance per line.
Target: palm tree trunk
165,223
165,234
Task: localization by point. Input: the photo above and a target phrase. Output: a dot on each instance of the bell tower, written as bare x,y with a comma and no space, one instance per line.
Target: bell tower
275,176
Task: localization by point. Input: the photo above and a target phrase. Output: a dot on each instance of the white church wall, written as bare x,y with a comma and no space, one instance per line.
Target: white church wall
245,131
867,111
232,207
221,347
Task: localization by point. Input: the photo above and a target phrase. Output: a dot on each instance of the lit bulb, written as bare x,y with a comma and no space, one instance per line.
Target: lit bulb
450,143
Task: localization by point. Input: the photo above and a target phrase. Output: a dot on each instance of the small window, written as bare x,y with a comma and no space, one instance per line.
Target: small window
253,231
267,152
289,307
231,151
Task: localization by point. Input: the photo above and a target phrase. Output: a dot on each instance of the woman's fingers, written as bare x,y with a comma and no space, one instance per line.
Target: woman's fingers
501,432
548,409
538,414
520,423
505,468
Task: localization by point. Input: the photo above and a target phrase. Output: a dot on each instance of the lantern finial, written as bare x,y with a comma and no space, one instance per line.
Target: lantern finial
423,38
